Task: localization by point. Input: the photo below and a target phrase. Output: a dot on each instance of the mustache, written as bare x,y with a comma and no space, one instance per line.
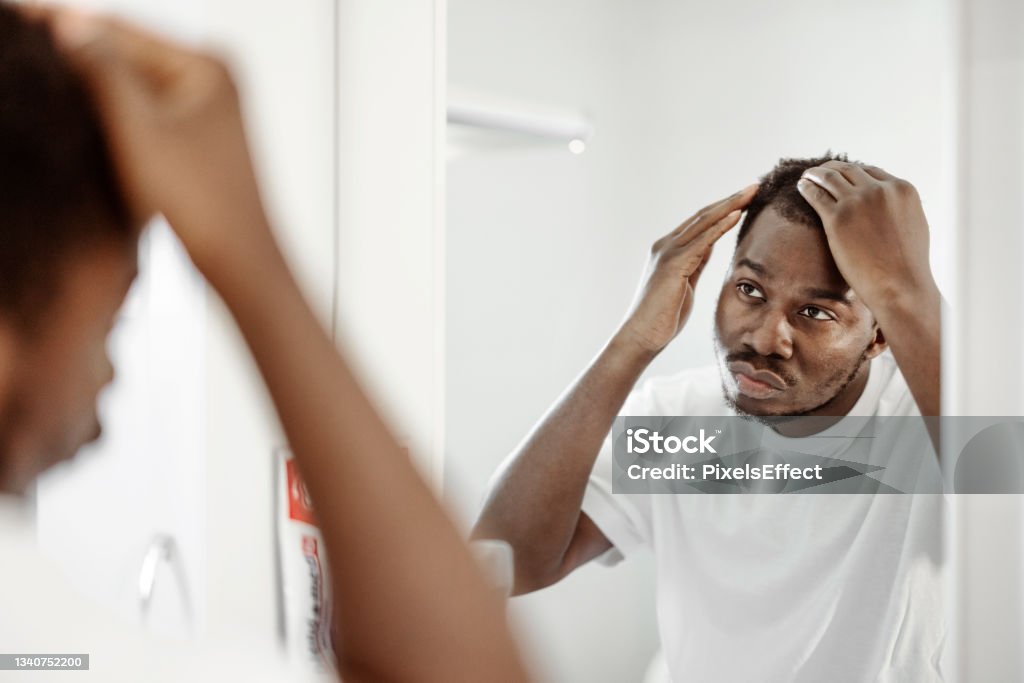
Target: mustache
762,363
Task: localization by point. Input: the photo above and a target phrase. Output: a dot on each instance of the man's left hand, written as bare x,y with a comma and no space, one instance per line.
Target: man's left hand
875,227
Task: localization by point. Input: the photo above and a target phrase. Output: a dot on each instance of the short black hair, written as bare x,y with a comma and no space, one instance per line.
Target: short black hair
778,190
58,191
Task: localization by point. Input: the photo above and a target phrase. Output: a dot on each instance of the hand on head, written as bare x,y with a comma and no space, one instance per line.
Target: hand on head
665,299
174,128
876,229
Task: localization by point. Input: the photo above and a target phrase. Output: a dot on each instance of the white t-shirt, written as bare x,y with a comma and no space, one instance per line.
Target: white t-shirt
787,588
40,613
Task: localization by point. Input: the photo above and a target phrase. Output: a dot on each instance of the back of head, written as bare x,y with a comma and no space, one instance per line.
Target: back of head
58,194
778,190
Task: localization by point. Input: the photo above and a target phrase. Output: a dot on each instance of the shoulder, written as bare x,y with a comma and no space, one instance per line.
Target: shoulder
695,391
893,394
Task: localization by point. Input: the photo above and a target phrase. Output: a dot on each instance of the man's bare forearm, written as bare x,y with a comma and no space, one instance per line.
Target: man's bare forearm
535,501
412,605
911,322
534,504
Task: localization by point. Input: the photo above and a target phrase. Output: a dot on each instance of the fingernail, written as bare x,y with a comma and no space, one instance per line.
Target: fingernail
74,28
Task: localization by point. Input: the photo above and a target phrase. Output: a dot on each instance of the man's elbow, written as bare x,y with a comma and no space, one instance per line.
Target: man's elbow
528,579
532,569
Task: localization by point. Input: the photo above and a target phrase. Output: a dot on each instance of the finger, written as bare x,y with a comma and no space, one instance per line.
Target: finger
877,173
99,41
820,200
90,44
695,276
33,10
854,173
706,239
830,180
712,213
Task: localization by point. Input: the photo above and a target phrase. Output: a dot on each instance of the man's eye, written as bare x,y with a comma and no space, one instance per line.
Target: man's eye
750,290
816,313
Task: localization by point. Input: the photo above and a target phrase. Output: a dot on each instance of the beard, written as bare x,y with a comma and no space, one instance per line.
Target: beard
843,378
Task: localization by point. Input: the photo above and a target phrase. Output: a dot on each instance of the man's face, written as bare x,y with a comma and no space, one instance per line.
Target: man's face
51,377
791,337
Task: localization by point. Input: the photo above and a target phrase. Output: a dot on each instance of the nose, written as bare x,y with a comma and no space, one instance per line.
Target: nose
771,335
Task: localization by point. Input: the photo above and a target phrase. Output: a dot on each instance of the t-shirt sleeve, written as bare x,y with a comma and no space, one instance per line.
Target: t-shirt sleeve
621,517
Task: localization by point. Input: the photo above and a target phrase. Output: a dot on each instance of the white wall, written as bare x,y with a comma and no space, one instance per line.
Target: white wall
690,102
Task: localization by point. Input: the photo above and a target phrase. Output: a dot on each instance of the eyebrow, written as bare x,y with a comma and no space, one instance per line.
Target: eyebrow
810,292
754,266
828,294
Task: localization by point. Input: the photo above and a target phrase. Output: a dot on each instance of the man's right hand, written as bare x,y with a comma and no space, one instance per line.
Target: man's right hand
174,127
665,298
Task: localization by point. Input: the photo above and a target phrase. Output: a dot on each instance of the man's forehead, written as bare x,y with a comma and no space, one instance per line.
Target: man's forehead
783,250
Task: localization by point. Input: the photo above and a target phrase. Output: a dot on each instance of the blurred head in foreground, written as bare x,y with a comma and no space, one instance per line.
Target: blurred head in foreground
791,336
67,255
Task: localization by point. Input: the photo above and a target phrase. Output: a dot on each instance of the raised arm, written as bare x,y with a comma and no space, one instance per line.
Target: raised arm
535,503
878,234
411,605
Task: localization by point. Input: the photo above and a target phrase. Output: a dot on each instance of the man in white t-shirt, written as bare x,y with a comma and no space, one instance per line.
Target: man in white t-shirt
829,310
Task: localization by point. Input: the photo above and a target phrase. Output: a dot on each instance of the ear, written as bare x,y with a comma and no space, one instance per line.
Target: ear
878,343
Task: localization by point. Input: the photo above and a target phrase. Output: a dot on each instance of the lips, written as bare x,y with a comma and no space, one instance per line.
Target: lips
754,383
